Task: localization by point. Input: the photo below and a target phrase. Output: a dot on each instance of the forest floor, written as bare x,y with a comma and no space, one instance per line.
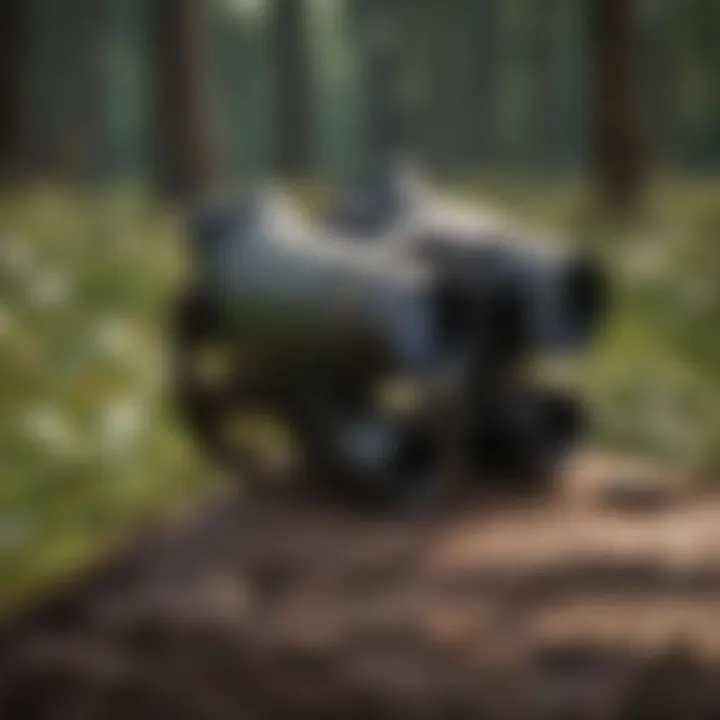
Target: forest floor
600,600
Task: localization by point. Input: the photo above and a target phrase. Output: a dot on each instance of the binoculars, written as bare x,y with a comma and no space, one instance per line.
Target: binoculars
389,338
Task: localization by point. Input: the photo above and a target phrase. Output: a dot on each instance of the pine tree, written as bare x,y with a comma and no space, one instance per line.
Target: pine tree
183,162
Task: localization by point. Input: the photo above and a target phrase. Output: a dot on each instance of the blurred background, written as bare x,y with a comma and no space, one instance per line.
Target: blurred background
600,118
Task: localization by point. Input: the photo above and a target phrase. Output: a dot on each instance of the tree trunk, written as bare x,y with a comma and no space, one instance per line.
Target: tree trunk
181,133
83,133
442,92
616,151
383,121
482,117
290,57
540,29
13,89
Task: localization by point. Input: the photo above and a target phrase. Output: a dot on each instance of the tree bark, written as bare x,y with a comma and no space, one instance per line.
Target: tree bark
83,130
482,118
616,145
384,118
442,92
13,90
290,56
183,163
540,36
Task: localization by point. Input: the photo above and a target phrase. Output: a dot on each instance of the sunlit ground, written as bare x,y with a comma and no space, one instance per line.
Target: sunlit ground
88,445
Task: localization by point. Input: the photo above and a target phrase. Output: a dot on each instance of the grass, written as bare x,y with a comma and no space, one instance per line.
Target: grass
89,447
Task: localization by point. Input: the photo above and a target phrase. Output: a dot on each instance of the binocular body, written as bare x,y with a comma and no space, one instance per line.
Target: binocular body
421,292
294,295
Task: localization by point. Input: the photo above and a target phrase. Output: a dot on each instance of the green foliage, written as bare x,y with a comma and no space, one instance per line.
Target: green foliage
88,446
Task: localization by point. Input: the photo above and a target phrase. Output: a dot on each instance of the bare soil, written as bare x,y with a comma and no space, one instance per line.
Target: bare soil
599,600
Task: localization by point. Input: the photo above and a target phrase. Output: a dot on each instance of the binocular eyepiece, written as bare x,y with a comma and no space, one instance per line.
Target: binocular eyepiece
509,311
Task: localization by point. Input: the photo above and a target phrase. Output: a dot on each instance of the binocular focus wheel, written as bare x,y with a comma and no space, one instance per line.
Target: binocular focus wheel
364,457
407,476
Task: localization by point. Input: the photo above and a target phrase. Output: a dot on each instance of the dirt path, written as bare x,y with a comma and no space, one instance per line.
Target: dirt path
583,605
